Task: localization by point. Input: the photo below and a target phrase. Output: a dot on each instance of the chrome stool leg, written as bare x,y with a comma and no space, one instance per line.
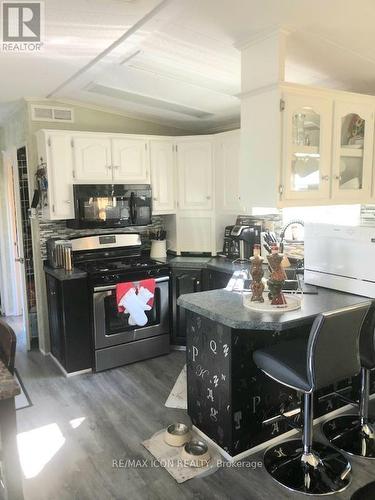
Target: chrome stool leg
354,434
308,467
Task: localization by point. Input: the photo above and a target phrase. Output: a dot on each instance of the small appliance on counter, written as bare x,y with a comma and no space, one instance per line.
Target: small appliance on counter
341,257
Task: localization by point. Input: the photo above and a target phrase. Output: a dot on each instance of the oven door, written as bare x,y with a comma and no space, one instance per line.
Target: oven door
112,328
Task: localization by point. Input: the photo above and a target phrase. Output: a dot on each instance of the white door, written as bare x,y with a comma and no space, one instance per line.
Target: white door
227,167
162,162
92,159
60,176
130,161
307,137
353,136
19,253
194,161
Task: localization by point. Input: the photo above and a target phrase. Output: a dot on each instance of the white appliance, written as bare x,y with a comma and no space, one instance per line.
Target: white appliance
341,257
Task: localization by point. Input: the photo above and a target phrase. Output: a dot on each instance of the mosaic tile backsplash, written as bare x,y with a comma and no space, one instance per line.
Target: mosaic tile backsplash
58,229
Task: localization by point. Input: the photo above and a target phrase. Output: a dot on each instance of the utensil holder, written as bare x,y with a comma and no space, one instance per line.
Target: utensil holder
158,249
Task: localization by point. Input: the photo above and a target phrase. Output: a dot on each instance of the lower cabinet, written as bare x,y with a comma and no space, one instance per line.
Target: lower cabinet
183,281
69,322
218,279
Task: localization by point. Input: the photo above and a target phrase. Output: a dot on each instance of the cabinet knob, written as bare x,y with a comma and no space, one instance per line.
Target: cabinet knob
338,177
208,197
68,202
155,199
325,177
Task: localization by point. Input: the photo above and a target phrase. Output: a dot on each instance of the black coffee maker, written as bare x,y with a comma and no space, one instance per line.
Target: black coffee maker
239,241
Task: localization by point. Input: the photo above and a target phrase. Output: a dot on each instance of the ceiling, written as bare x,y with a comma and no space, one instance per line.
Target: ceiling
175,61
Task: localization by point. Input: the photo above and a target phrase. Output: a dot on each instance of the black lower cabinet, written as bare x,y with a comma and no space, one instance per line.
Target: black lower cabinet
69,322
217,279
183,281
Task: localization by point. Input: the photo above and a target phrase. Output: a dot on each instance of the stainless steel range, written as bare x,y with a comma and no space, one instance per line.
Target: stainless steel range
110,260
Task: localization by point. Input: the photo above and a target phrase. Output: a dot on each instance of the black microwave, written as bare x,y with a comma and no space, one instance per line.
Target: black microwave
111,205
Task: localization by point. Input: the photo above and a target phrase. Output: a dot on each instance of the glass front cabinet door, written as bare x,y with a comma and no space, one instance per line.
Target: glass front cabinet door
307,130
352,151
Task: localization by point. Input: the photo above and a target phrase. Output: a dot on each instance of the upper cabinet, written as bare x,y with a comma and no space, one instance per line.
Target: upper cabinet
307,125
353,135
130,160
163,176
227,172
195,176
99,158
54,150
92,158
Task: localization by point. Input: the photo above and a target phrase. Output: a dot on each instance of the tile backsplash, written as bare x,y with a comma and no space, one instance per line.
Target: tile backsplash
58,229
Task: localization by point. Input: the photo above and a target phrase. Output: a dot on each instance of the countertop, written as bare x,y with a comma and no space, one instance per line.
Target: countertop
8,384
63,275
226,308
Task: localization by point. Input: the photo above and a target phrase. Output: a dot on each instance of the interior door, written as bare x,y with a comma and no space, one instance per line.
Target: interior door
353,136
92,159
130,161
307,132
194,160
19,251
162,176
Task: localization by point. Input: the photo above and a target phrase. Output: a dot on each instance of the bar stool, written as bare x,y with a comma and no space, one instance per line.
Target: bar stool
330,354
355,434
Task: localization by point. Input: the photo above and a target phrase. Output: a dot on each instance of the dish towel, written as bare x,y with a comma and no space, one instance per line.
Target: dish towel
135,299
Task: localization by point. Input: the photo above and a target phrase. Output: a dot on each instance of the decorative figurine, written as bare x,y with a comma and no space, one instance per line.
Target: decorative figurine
256,271
277,277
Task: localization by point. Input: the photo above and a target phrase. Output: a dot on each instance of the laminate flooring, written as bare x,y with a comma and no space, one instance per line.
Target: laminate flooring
78,426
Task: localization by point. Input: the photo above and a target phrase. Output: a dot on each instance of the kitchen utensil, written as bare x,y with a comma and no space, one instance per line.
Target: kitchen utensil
177,434
195,453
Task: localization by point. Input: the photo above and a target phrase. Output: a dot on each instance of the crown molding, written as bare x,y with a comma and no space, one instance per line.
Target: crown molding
260,36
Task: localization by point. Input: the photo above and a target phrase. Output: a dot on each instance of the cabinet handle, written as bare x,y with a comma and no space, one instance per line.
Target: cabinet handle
325,177
208,197
68,202
109,167
338,177
155,199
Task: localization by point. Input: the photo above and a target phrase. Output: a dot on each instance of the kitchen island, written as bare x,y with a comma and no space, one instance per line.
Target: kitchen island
229,399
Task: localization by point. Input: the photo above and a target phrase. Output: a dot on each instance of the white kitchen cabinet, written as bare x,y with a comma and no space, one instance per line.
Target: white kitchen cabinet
353,133
227,169
54,148
307,125
163,176
195,175
195,232
92,155
130,160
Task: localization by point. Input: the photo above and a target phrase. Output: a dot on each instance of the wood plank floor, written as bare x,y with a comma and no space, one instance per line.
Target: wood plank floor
118,410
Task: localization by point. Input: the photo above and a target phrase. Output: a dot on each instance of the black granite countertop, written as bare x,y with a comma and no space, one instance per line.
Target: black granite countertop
226,308
63,275
8,384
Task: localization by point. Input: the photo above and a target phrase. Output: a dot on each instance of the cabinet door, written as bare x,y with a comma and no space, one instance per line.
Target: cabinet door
184,281
227,163
307,132
195,233
55,319
162,176
352,151
92,159
130,161
56,150
194,160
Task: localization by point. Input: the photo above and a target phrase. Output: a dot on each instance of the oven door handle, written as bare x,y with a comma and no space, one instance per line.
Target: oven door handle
113,287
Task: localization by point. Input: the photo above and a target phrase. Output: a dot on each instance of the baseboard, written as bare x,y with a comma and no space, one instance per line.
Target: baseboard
62,369
267,444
